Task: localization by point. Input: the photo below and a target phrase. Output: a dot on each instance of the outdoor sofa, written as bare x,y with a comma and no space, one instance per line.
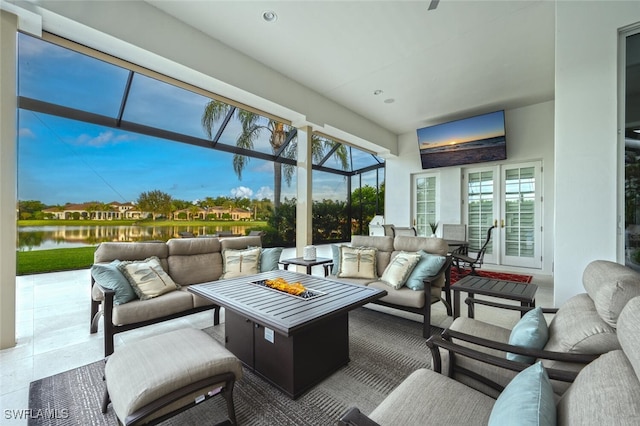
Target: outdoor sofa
427,283
185,261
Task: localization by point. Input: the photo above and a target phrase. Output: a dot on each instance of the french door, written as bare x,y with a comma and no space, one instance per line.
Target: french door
509,198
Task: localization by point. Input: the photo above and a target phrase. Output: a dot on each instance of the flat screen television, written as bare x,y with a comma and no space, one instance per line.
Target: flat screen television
470,140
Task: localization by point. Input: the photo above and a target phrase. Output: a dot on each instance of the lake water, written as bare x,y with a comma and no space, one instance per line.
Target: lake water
50,237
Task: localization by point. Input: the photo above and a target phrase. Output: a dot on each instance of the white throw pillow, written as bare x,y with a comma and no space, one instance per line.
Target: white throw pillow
399,269
147,277
357,262
240,263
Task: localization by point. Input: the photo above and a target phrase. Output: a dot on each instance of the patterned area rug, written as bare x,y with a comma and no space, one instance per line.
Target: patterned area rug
455,276
384,349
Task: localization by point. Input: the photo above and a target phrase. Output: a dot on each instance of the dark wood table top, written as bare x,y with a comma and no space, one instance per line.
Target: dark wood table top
283,312
524,292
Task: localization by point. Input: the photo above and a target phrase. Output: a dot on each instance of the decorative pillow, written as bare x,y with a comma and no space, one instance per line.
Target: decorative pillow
428,266
147,277
109,276
269,258
240,263
398,270
530,332
335,254
526,400
357,262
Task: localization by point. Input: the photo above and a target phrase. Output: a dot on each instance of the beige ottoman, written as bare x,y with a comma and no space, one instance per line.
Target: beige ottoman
155,378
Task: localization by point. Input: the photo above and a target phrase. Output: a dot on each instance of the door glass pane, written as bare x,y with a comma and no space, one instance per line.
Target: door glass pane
519,212
425,204
632,153
480,209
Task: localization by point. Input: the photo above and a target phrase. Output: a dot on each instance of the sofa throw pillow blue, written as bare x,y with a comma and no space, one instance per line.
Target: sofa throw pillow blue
335,255
428,265
109,276
526,400
269,258
530,332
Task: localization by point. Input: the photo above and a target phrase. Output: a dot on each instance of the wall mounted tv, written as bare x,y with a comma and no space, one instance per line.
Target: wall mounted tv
471,140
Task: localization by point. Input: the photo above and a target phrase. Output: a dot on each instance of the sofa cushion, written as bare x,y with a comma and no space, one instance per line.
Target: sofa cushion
357,262
109,276
413,402
402,296
610,285
530,332
430,245
527,400
269,258
109,251
399,269
194,260
578,328
428,266
335,256
240,263
147,277
143,310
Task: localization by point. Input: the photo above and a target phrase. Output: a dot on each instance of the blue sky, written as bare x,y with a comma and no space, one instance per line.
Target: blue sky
62,161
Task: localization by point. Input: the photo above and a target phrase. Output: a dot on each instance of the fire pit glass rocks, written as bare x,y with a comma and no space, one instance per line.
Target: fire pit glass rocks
292,289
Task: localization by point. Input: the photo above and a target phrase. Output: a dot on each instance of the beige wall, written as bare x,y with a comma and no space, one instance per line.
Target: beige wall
8,108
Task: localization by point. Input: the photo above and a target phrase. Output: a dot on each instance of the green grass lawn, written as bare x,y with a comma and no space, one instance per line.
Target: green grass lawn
62,259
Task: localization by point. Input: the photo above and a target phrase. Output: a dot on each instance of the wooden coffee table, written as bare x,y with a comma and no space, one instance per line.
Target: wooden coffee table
473,284
291,342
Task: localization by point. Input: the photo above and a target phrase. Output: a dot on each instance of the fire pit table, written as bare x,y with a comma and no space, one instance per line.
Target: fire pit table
293,342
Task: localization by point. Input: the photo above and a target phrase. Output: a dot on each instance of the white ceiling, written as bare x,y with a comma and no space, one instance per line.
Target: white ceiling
463,58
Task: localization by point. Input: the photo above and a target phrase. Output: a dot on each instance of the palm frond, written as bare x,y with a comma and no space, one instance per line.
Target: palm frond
213,111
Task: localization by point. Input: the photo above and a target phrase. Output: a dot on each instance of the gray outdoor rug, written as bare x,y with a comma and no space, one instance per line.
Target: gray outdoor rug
384,349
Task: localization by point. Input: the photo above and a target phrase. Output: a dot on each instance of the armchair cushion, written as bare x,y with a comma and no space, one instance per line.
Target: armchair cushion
398,270
238,263
109,276
357,262
428,266
269,258
530,332
527,400
147,277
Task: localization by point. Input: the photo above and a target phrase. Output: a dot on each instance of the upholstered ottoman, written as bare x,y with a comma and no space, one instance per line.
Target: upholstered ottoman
158,377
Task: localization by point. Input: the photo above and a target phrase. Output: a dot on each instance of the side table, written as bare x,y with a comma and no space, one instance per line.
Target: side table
473,284
308,263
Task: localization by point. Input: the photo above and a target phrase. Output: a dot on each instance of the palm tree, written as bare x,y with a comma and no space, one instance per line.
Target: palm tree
252,128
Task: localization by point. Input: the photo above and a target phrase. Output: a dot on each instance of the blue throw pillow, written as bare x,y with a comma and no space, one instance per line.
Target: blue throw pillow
530,332
428,266
109,276
526,400
335,254
269,258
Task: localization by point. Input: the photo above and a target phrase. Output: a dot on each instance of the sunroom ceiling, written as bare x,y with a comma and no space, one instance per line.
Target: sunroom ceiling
462,58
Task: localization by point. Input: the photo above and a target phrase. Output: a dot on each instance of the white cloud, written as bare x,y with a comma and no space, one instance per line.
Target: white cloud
265,192
241,192
26,133
104,138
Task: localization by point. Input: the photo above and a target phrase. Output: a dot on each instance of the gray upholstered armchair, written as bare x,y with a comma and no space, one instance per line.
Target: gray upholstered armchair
606,391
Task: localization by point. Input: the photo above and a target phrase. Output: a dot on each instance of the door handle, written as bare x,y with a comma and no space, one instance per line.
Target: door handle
495,222
501,223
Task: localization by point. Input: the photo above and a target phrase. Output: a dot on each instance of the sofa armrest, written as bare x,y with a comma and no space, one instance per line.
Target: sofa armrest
444,341
354,417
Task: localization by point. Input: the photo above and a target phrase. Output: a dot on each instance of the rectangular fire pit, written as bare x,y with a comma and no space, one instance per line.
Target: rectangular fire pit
309,294
290,341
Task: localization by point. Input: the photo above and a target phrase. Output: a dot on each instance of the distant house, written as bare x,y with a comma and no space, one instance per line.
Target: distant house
96,211
212,213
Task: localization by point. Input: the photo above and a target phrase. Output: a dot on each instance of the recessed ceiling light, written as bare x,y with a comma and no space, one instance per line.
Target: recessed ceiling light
269,16
377,92
389,101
